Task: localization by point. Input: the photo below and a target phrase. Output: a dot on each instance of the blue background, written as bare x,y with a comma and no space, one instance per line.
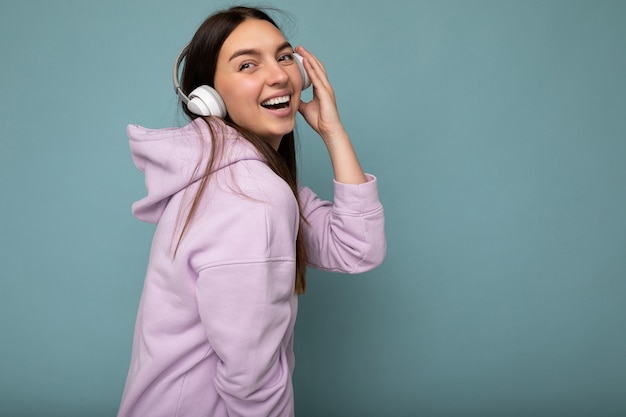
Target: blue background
497,130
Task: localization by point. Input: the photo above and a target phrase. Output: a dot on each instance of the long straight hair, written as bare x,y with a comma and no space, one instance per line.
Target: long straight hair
199,69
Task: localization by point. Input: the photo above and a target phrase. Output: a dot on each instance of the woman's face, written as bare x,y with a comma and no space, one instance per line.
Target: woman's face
259,80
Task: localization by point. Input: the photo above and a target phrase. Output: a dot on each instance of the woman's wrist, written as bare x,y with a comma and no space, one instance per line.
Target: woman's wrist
346,166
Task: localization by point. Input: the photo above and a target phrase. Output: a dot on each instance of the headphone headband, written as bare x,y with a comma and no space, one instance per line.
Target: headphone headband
179,59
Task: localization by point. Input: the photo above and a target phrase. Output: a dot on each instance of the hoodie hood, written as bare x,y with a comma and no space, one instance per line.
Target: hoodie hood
169,159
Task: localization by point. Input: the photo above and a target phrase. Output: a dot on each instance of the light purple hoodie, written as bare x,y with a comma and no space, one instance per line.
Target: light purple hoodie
214,331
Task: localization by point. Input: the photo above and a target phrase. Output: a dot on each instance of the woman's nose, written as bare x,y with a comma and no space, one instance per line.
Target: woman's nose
277,74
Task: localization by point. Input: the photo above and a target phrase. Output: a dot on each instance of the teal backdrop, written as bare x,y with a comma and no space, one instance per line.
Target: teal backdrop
497,131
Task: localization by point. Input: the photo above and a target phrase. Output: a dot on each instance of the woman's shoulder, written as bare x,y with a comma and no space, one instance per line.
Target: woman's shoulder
253,180
247,213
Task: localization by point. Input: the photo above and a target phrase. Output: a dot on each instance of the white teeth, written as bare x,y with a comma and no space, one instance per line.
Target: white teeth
277,100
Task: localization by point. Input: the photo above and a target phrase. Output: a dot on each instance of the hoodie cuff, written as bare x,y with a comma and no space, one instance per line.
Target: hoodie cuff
357,198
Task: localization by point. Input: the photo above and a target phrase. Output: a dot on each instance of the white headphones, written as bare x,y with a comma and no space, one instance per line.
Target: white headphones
205,100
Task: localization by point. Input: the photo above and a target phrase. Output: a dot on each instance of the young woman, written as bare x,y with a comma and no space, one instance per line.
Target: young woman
235,230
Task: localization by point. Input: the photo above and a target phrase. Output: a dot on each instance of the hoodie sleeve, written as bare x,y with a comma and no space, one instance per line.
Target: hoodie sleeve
245,296
347,235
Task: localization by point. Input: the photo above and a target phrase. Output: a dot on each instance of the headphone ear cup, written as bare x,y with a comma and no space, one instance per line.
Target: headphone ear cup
206,101
306,81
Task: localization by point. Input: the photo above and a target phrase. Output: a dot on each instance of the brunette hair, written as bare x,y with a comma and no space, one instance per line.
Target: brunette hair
199,69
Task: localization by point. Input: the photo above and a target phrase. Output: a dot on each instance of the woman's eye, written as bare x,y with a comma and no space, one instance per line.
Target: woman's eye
285,57
245,66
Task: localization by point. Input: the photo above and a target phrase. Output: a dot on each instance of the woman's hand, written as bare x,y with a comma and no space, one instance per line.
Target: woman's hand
321,112
322,115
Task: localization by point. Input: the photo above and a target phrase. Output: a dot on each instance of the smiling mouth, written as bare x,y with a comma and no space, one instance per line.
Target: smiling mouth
277,103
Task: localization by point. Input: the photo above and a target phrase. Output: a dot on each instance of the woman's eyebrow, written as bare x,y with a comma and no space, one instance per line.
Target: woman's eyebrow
253,51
